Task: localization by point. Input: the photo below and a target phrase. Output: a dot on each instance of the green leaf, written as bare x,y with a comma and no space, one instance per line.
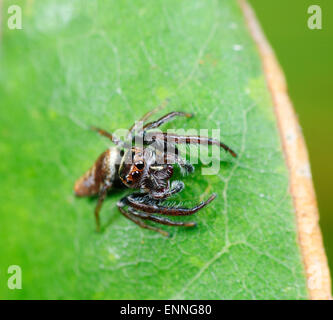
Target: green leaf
106,63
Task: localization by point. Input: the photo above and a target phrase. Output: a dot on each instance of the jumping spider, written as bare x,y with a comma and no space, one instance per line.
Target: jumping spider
148,167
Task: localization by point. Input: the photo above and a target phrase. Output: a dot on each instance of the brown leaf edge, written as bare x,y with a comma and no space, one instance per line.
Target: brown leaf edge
296,156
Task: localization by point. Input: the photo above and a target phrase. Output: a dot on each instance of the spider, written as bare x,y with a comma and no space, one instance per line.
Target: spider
148,167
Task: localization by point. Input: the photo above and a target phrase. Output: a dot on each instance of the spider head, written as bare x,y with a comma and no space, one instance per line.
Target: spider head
132,167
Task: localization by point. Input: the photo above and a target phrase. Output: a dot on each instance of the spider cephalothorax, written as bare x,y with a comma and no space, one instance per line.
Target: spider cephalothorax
133,167
147,167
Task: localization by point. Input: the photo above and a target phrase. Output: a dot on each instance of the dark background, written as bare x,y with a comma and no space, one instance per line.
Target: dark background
306,57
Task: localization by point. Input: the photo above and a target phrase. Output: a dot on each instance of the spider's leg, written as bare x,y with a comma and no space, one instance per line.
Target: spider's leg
145,117
177,186
101,198
161,220
170,155
172,158
165,118
114,139
181,139
139,222
164,149
151,206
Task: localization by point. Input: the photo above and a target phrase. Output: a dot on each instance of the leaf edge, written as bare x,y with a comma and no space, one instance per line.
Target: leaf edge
297,160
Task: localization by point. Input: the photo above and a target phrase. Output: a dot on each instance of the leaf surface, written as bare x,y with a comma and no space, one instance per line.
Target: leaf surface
106,63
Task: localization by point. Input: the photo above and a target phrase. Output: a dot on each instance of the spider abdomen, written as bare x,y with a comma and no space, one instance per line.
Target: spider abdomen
103,171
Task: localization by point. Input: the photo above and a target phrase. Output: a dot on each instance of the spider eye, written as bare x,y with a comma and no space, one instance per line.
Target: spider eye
135,174
140,165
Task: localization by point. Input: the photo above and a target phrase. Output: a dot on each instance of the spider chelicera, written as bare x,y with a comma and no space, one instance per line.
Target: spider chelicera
147,166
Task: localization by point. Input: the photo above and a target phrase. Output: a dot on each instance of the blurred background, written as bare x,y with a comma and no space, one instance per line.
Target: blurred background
306,56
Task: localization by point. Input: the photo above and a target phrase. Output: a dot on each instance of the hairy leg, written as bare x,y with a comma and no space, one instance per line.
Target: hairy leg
146,117
177,186
165,118
140,223
172,158
161,220
152,206
114,139
179,139
101,198
169,154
